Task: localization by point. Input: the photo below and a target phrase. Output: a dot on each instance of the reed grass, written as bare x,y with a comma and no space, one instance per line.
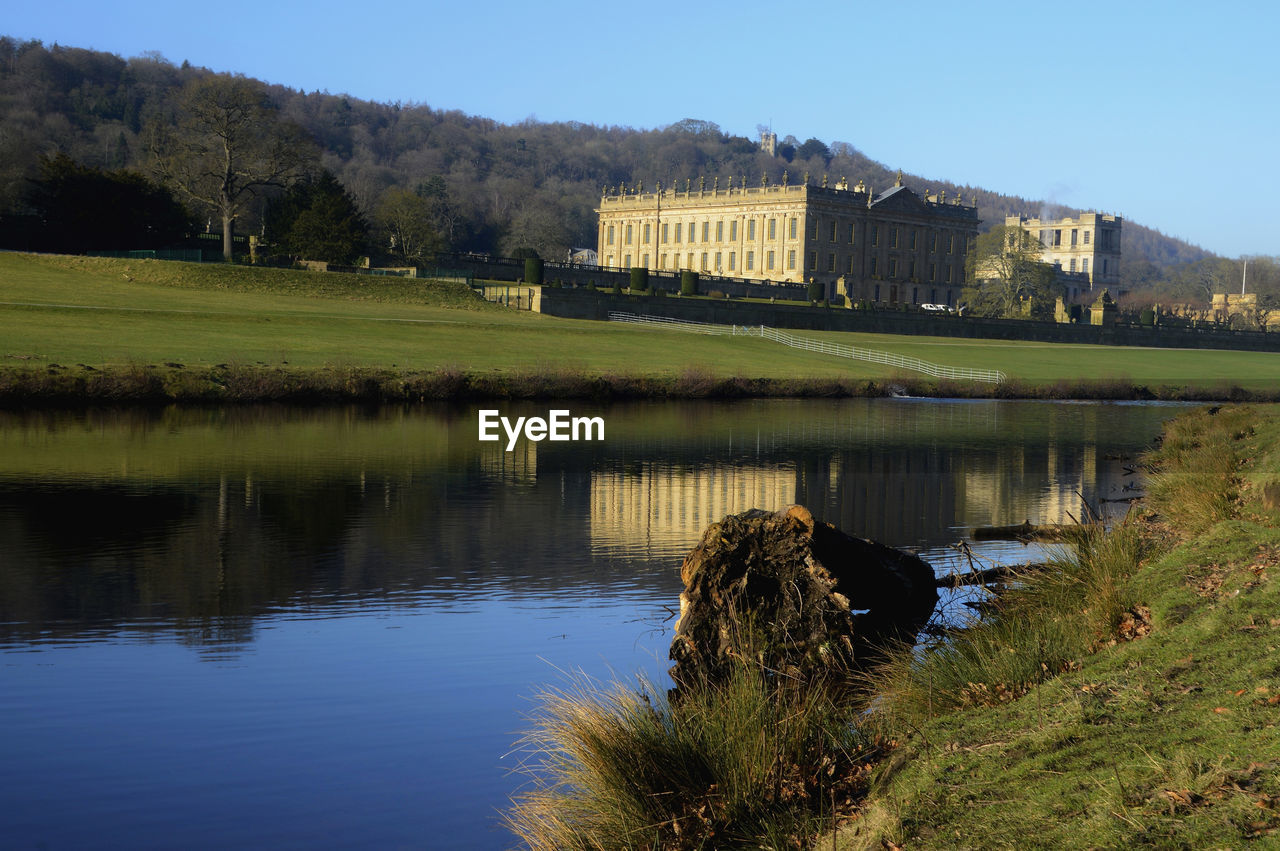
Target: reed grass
750,761
1038,627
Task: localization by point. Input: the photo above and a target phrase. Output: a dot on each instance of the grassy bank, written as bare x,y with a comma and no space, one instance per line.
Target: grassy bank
1127,694
109,330
1128,697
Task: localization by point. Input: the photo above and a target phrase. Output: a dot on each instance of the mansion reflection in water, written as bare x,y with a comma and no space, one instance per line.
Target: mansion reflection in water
900,496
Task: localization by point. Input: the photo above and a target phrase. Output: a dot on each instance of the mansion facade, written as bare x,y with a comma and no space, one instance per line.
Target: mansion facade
1087,245
895,247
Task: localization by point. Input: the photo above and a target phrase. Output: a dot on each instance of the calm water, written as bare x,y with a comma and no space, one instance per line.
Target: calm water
259,627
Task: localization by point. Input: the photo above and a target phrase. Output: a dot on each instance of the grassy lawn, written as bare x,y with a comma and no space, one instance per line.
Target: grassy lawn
113,313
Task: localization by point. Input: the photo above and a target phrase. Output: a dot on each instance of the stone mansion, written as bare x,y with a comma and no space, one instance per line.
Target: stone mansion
894,247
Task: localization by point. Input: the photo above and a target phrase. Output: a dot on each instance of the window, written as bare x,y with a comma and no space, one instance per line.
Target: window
645,261
628,234
791,257
679,229
1104,266
688,263
933,240
948,273
733,231
662,261
1075,232
876,293
1073,264
1057,237
608,260
813,261
1086,237
704,261
768,261
1084,265
813,228
851,264
751,260
626,261
875,268
915,299
831,262
933,271
893,267
852,230
720,231
893,237
951,243
793,227
875,234
733,260
751,230
911,269
833,232
693,232
647,234
706,231
933,296
664,232
609,240
718,266
773,228
912,243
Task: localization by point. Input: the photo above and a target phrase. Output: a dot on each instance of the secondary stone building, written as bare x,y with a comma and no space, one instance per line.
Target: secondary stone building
893,247
1087,246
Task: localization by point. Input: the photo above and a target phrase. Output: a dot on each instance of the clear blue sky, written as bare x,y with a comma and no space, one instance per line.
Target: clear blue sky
1164,113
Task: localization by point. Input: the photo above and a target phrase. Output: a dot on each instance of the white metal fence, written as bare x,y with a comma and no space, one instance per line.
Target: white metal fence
993,376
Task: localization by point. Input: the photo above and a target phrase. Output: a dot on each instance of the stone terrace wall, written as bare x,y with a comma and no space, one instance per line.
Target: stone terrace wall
586,304
579,275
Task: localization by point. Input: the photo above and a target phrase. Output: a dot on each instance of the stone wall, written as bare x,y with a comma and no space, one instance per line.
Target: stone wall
585,304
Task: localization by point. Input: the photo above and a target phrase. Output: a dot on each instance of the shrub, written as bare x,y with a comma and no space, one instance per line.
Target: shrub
688,282
816,291
1147,318
639,279
533,270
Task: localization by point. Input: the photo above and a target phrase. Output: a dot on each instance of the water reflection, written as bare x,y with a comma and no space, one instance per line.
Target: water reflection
201,520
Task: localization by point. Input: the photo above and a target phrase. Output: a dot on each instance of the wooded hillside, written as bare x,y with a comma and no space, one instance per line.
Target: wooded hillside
491,187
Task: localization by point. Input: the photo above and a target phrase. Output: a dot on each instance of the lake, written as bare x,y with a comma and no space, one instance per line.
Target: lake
260,626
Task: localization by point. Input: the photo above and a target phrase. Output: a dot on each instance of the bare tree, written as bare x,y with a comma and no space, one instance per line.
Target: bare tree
405,218
228,146
1005,270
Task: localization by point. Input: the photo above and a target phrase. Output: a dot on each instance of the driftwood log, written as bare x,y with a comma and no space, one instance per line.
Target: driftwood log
795,595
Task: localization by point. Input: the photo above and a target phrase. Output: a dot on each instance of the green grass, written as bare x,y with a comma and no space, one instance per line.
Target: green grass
114,315
1168,739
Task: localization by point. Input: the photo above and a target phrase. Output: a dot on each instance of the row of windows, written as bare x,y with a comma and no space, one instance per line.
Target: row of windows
1084,265
894,236
1077,236
728,262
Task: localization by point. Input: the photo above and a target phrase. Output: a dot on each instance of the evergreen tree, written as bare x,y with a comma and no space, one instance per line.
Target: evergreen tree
317,220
